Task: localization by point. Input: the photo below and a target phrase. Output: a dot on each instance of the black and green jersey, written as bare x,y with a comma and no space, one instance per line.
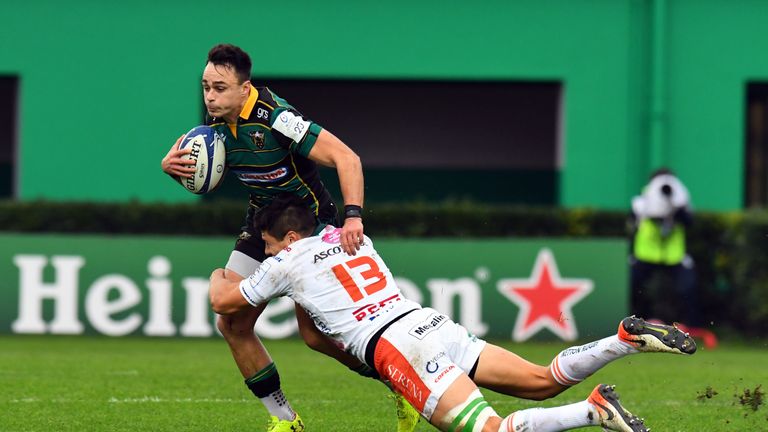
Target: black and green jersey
268,150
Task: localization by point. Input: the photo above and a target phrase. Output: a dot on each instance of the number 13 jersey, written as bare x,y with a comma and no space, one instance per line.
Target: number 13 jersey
348,297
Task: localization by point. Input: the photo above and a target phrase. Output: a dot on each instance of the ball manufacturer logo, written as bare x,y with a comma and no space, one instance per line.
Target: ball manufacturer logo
195,153
195,144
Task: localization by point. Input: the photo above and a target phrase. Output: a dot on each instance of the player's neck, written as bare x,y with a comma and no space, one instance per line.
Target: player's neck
232,118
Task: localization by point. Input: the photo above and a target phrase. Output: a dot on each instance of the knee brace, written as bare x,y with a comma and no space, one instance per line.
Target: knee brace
470,415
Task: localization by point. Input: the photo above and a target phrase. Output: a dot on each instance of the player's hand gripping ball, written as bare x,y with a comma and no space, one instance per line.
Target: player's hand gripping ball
209,154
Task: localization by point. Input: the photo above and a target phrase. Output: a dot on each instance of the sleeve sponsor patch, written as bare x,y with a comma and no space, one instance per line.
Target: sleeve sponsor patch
257,277
291,125
255,288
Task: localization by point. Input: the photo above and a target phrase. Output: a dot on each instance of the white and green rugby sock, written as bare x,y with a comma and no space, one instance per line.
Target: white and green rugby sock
265,385
555,419
575,364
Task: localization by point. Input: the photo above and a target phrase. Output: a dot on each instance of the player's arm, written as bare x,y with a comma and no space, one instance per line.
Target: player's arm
229,296
332,152
308,139
176,167
225,296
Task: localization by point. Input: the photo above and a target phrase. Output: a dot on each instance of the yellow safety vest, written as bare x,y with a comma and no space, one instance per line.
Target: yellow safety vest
651,247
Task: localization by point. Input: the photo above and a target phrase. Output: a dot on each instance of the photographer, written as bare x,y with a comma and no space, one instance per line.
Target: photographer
663,281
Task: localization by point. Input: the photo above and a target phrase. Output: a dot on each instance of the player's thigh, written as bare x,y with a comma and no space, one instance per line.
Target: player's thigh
457,343
506,372
418,355
248,253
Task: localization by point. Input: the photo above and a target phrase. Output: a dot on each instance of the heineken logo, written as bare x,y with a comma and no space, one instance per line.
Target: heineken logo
545,299
65,285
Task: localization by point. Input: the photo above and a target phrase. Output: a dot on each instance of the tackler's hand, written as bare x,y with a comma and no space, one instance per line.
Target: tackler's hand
352,235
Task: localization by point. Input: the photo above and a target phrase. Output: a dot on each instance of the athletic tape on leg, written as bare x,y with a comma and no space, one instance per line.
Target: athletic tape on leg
470,415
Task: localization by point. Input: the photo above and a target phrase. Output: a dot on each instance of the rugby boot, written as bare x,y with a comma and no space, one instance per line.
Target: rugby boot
613,416
277,425
407,416
652,337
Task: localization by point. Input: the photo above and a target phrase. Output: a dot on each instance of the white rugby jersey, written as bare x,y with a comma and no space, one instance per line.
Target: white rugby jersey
348,297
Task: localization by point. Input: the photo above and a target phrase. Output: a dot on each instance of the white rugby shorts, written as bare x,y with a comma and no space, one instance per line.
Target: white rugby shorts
423,353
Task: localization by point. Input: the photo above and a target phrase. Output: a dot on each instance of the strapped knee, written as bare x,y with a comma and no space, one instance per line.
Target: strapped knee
470,415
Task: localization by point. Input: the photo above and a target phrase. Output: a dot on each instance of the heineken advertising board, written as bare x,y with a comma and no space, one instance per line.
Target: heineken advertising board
158,286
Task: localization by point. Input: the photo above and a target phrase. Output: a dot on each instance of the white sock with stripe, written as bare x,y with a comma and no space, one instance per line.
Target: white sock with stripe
561,418
575,364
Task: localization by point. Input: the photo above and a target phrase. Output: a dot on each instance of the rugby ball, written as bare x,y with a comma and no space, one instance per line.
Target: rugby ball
209,154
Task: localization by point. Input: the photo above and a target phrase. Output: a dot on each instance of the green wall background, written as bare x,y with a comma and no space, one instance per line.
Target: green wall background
106,88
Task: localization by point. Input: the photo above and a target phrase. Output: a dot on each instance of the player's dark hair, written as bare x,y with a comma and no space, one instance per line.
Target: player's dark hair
234,57
286,213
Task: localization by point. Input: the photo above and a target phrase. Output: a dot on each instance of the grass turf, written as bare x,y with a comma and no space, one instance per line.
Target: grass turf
137,384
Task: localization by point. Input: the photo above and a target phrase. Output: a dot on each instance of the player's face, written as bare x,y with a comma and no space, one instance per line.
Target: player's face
223,93
273,245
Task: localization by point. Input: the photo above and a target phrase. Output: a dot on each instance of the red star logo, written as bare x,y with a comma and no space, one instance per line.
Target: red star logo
545,299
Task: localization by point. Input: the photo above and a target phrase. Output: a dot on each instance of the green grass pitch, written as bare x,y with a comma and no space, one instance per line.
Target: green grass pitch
139,384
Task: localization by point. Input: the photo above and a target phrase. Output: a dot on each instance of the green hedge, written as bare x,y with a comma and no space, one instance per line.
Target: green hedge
226,217
729,249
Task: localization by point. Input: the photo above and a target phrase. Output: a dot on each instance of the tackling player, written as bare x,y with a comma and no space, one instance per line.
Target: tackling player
272,149
435,363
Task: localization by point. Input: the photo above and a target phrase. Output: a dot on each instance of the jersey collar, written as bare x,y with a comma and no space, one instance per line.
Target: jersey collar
319,228
250,103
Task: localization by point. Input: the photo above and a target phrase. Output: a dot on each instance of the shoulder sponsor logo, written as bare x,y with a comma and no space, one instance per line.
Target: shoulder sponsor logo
273,175
333,236
432,323
262,113
326,253
257,138
291,125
